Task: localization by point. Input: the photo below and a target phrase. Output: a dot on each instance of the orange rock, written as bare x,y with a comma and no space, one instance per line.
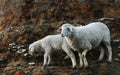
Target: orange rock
9,17
19,72
63,74
37,73
1,19
34,20
53,24
106,10
4,44
41,20
20,38
42,15
1,55
1,28
16,20
112,14
118,10
24,41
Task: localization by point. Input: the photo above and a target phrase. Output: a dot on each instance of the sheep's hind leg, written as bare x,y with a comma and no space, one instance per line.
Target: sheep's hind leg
102,52
108,46
109,52
80,59
84,58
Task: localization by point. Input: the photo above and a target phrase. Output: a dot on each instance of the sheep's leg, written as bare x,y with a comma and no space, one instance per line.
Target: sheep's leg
109,52
49,59
80,58
84,58
101,53
71,55
73,59
108,46
66,57
45,59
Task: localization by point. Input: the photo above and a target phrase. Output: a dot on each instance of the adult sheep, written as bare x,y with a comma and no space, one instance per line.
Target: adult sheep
50,43
86,38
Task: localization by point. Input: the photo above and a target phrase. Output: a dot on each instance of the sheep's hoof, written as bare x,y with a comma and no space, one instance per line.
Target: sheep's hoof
74,68
44,67
86,66
109,60
99,60
81,66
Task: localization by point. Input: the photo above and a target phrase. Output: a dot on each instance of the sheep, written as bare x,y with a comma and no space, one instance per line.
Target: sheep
85,38
50,43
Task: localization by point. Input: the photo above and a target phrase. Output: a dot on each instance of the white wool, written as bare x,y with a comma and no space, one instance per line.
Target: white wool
87,37
50,43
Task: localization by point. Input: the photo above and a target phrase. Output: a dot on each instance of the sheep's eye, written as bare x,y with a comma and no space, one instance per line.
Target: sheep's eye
68,29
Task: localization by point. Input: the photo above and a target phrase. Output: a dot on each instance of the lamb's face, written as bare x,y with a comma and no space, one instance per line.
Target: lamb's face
35,51
31,50
66,30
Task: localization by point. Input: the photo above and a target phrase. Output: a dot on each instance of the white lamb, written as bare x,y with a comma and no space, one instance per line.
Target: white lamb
50,43
85,38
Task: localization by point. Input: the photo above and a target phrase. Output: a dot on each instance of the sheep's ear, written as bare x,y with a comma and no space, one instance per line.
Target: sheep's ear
70,29
59,30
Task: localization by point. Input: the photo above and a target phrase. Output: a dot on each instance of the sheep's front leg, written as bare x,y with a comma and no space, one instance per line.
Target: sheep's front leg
71,55
84,58
80,58
49,59
45,60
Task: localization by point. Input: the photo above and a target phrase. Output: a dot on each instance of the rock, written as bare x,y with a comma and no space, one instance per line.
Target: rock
3,60
31,63
21,51
19,72
1,28
116,40
12,44
116,59
21,47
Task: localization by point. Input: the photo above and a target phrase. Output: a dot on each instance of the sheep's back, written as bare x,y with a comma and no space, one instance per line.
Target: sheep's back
89,36
53,41
95,33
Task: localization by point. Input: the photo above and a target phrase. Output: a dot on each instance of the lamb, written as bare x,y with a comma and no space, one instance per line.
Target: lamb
85,38
50,43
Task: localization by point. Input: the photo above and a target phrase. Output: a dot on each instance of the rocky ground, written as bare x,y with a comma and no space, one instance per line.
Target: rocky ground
17,61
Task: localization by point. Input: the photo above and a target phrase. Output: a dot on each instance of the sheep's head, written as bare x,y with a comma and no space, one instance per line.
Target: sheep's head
31,50
66,30
35,51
